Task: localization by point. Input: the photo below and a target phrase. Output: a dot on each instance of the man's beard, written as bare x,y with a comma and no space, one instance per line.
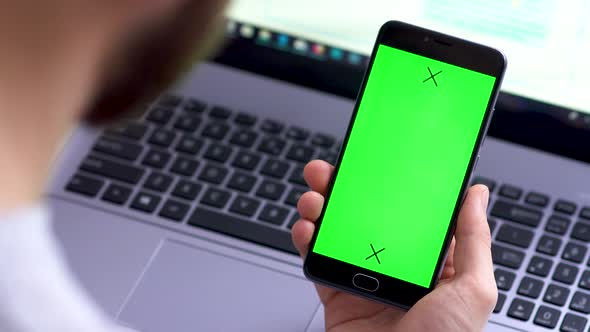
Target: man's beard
151,60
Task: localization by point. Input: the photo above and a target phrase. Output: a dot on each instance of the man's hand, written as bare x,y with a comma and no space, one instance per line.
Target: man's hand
463,299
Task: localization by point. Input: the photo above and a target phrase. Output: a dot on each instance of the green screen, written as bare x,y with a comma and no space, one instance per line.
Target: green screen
404,164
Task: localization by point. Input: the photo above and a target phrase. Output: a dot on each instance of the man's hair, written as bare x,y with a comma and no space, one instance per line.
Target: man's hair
151,61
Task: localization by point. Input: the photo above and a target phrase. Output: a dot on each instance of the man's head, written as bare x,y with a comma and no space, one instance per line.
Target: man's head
153,53
155,50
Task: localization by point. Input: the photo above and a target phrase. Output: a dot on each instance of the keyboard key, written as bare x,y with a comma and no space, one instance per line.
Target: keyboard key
219,153
131,130
245,119
84,185
112,170
184,166
174,210
585,280
565,273
492,223
491,184
328,157
244,138
530,287
272,145
158,182
548,245
193,105
145,202
246,160
540,266
515,236
573,323
213,174
116,194
187,123
156,159
298,134
511,192
160,115
547,317
162,138
499,303
189,145
521,309
507,257
556,295
537,199
169,100
557,225
295,218
250,231
219,112
119,149
297,176
270,190
574,252
216,130
242,182
294,195
300,153
275,168
581,302
187,190
504,279
215,198
273,214
517,213
581,232
585,213
245,206
565,207
272,127
322,140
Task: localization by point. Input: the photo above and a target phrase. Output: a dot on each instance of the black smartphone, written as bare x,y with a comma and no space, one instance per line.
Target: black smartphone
420,118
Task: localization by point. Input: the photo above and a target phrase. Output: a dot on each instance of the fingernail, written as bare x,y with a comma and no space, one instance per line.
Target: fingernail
485,198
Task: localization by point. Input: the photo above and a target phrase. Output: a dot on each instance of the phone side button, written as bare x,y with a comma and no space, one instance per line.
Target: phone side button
365,282
476,162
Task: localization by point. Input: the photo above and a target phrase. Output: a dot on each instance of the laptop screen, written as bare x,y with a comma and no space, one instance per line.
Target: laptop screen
546,41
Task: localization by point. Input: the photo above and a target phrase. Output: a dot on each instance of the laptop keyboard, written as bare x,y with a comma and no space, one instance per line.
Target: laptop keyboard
539,249
207,166
235,173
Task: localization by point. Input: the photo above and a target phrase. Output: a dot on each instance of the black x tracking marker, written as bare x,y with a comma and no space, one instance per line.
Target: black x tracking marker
375,254
432,77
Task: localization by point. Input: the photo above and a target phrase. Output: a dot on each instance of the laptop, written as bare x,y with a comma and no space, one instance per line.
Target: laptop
180,220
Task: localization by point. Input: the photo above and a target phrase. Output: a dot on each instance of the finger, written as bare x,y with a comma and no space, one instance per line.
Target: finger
450,262
472,257
301,234
310,205
449,268
473,240
317,174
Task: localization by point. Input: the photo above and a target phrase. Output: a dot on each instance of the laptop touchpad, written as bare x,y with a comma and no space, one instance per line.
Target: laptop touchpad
189,289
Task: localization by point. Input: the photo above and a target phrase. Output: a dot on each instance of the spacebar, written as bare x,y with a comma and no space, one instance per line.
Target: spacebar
243,229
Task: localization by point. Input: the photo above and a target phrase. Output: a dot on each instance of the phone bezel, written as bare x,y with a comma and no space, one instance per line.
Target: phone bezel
438,46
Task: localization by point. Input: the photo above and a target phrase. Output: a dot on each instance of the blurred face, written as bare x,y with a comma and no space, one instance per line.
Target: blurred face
155,50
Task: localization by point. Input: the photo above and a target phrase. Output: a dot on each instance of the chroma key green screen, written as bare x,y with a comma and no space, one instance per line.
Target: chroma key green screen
403,166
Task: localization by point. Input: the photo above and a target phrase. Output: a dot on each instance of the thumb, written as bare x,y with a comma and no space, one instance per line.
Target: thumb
473,257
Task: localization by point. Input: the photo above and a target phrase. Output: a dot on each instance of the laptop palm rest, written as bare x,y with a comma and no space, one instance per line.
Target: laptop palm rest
216,293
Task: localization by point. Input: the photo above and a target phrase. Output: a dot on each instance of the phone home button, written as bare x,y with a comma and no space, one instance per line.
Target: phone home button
365,282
